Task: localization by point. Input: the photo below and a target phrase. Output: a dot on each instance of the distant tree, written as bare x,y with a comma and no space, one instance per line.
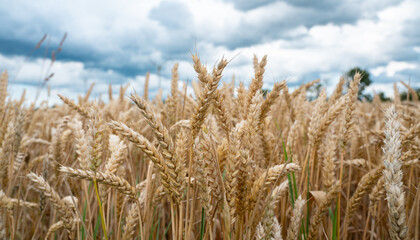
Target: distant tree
265,92
315,90
403,95
364,82
383,97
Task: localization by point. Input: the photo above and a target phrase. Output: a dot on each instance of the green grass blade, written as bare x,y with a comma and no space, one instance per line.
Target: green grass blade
153,225
307,205
203,223
293,191
158,227
98,223
166,230
335,224
83,231
98,198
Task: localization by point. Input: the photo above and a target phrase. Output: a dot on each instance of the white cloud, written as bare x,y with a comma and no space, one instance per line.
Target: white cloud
393,67
330,50
70,79
301,42
387,88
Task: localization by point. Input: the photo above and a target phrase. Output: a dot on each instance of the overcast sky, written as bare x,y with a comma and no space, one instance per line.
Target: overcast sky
119,41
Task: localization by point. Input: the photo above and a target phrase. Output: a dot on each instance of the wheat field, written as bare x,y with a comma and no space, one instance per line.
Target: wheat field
223,163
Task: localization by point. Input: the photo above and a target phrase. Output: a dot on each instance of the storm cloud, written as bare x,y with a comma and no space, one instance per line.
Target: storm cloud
118,42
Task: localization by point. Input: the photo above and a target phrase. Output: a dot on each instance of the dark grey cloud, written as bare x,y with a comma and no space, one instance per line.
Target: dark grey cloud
281,18
304,39
320,4
245,5
172,15
129,50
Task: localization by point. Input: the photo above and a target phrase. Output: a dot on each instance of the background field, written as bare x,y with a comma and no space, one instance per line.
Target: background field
224,163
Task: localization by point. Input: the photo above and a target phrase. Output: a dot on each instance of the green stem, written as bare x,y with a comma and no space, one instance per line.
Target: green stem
203,223
307,205
100,208
84,214
167,229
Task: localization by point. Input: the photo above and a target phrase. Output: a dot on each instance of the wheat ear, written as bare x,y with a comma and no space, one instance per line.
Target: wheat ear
105,178
272,230
80,109
8,203
295,221
303,88
338,92
64,212
82,143
118,150
395,195
397,99
165,142
6,152
221,113
131,222
206,96
200,70
144,144
3,91
270,176
53,228
328,164
256,83
172,101
378,193
350,103
271,99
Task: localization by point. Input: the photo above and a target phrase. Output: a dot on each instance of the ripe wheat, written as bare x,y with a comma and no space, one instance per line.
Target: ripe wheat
225,163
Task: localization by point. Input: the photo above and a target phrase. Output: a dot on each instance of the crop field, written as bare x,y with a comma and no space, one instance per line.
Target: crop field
227,162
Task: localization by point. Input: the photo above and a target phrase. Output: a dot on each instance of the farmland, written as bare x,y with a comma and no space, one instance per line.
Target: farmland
227,162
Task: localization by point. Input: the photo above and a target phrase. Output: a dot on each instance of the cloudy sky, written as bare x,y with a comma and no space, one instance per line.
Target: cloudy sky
117,42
